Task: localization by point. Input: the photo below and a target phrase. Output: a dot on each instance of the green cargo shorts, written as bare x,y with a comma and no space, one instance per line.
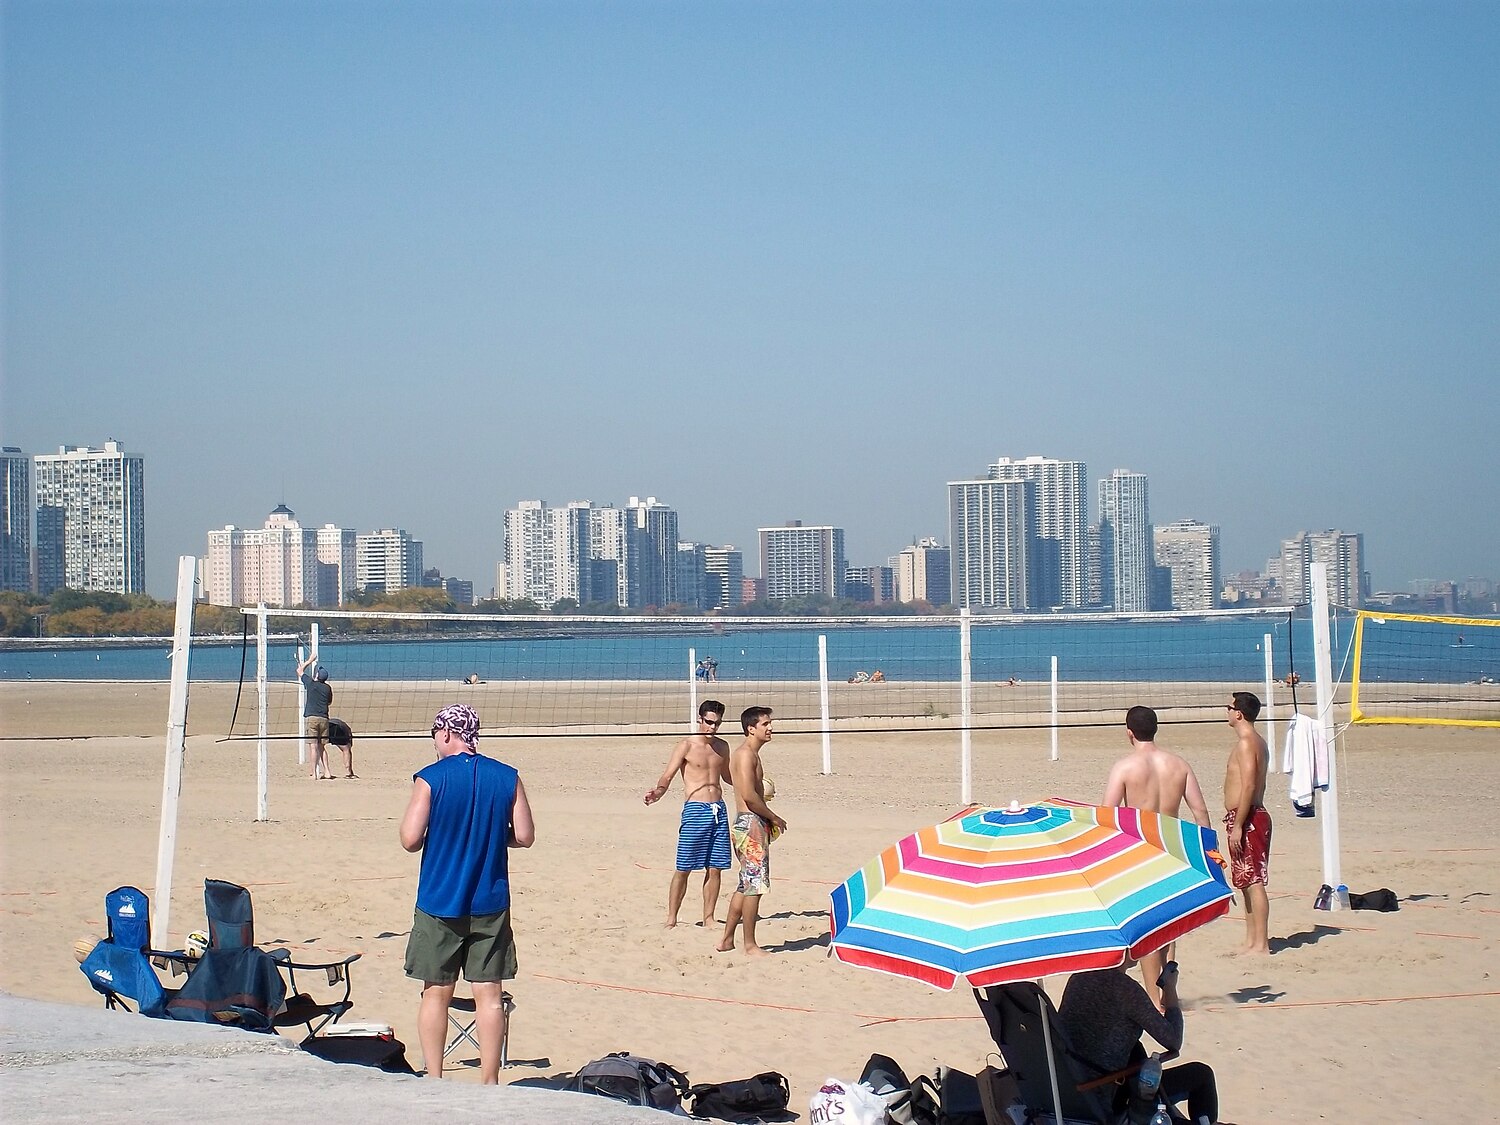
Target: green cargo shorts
482,946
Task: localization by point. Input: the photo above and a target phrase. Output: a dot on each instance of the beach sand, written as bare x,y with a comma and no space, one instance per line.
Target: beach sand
1357,1016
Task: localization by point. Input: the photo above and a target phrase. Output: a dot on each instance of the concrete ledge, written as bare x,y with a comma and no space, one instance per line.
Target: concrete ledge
63,1063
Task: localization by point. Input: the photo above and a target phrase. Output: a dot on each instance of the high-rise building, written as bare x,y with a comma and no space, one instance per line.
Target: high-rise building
609,548
923,573
15,520
280,564
651,562
875,584
692,576
99,497
1093,567
1061,523
338,563
386,561
547,553
1125,541
1343,553
1190,551
799,562
725,568
992,529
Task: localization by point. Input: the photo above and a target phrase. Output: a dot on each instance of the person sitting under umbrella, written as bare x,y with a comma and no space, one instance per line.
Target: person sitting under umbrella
1104,1012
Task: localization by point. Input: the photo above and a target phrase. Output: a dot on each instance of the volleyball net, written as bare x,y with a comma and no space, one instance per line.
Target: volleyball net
582,676
1421,669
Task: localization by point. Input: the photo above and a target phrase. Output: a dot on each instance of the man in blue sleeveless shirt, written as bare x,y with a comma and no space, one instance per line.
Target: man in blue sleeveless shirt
466,811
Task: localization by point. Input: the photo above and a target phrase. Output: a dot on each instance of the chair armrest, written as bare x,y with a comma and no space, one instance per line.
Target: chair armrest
180,960
336,970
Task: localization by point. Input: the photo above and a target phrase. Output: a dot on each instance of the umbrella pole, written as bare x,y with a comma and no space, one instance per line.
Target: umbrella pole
1051,1059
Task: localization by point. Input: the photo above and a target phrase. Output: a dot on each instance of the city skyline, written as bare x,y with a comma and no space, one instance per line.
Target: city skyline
1145,566
396,267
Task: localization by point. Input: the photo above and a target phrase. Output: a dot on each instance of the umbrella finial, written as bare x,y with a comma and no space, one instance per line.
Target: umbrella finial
1015,806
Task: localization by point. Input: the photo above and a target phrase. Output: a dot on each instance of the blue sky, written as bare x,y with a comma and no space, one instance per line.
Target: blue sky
406,264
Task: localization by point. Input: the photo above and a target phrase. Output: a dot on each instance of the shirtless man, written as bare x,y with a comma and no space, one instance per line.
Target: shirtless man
755,826
1158,781
1247,825
703,836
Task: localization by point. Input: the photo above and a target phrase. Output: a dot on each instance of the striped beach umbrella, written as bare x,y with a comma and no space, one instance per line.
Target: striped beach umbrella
995,895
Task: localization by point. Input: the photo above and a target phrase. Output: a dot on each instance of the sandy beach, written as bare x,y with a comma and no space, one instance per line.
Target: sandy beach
1356,1016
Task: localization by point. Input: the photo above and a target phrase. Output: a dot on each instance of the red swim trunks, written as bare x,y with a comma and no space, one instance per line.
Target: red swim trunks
1251,864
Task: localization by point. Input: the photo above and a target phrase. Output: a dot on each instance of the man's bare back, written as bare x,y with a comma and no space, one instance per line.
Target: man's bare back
1156,780
1151,778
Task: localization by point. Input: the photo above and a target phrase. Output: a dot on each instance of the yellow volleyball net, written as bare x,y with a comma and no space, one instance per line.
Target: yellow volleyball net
1424,669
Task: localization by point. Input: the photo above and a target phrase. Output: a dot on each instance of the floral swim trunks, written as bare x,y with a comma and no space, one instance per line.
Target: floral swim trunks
751,838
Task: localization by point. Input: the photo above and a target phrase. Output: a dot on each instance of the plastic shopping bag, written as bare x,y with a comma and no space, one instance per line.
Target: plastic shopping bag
846,1103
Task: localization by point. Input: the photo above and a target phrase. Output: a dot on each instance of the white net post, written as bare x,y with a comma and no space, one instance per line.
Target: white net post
171,777
312,651
823,703
1271,704
1323,663
692,689
262,724
965,708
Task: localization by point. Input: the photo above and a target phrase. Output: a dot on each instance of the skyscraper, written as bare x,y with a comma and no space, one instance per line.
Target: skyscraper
276,564
1061,523
651,552
1125,541
1343,553
923,573
725,568
1190,550
798,561
992,529
15,520
386,561
95,500
547,553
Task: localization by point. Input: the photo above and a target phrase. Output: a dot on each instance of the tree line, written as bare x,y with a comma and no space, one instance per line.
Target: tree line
80,613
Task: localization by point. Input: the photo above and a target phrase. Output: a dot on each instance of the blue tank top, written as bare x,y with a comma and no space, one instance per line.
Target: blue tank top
465,868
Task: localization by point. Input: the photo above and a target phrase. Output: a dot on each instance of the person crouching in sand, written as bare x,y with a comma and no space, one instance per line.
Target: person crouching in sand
755,826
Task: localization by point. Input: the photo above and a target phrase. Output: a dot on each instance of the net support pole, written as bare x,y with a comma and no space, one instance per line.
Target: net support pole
301,707
823,703
262,725
1270,685
965,709
1323,663
1054,708
171,775
692,689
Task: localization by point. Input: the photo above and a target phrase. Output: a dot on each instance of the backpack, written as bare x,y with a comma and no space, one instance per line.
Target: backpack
743,1100
631,1079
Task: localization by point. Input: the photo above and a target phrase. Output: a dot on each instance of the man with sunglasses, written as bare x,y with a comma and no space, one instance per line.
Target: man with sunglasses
466,812
703,835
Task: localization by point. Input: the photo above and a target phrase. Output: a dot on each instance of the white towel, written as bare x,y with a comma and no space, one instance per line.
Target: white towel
1305,760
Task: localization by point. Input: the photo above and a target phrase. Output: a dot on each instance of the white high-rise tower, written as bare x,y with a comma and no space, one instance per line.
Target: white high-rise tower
1061,526
1125,541
93,501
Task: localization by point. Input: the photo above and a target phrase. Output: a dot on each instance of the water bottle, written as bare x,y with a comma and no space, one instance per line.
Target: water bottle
1342,895
1142,1109
1148,1079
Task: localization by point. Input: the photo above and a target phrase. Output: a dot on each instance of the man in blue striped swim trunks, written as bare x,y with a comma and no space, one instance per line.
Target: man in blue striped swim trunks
703,836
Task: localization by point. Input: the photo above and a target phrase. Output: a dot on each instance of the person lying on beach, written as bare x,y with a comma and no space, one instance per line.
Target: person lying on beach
703,834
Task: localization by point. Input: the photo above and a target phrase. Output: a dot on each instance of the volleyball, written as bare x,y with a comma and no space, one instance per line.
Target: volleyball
768,788
83,947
